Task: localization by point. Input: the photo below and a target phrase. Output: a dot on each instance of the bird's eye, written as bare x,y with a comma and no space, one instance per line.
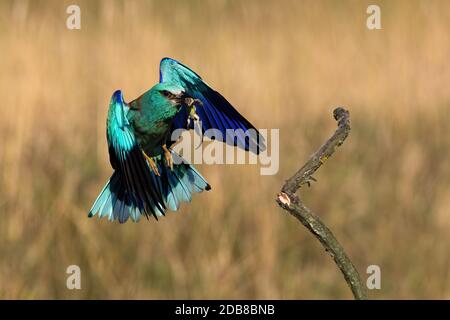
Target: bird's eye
166,93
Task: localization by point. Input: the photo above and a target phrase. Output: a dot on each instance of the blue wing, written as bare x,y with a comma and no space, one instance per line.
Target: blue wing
128,160
216,112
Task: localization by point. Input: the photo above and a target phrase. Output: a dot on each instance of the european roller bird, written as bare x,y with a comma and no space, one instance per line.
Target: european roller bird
146,179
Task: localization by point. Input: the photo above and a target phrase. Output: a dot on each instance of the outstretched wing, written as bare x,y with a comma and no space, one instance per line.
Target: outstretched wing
216,112
127,158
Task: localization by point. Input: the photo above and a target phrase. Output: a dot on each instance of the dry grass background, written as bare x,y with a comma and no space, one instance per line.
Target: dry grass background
284,64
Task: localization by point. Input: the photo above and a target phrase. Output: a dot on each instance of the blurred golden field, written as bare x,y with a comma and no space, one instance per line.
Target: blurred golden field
283,64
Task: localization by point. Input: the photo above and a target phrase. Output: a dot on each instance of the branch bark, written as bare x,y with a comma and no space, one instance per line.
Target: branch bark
288,200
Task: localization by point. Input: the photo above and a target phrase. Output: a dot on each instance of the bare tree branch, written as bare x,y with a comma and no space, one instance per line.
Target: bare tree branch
293,204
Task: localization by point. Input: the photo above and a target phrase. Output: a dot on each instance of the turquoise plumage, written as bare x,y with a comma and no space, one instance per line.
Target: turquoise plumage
146,179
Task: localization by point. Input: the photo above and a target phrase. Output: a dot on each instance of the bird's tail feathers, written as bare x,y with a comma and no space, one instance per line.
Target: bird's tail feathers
117,203
175,186
178,184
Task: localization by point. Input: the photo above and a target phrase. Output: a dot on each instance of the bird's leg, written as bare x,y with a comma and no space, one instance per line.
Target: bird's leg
152,163
168,156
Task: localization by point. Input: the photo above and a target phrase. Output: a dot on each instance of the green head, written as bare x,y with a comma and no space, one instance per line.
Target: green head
166,95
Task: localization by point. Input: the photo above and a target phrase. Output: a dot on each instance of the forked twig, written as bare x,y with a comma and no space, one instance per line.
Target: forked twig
289,201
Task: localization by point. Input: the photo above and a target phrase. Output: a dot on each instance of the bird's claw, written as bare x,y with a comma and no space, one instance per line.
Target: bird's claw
152,164
168,156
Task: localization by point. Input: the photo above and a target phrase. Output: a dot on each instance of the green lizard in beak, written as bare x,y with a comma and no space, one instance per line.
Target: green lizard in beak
190,103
